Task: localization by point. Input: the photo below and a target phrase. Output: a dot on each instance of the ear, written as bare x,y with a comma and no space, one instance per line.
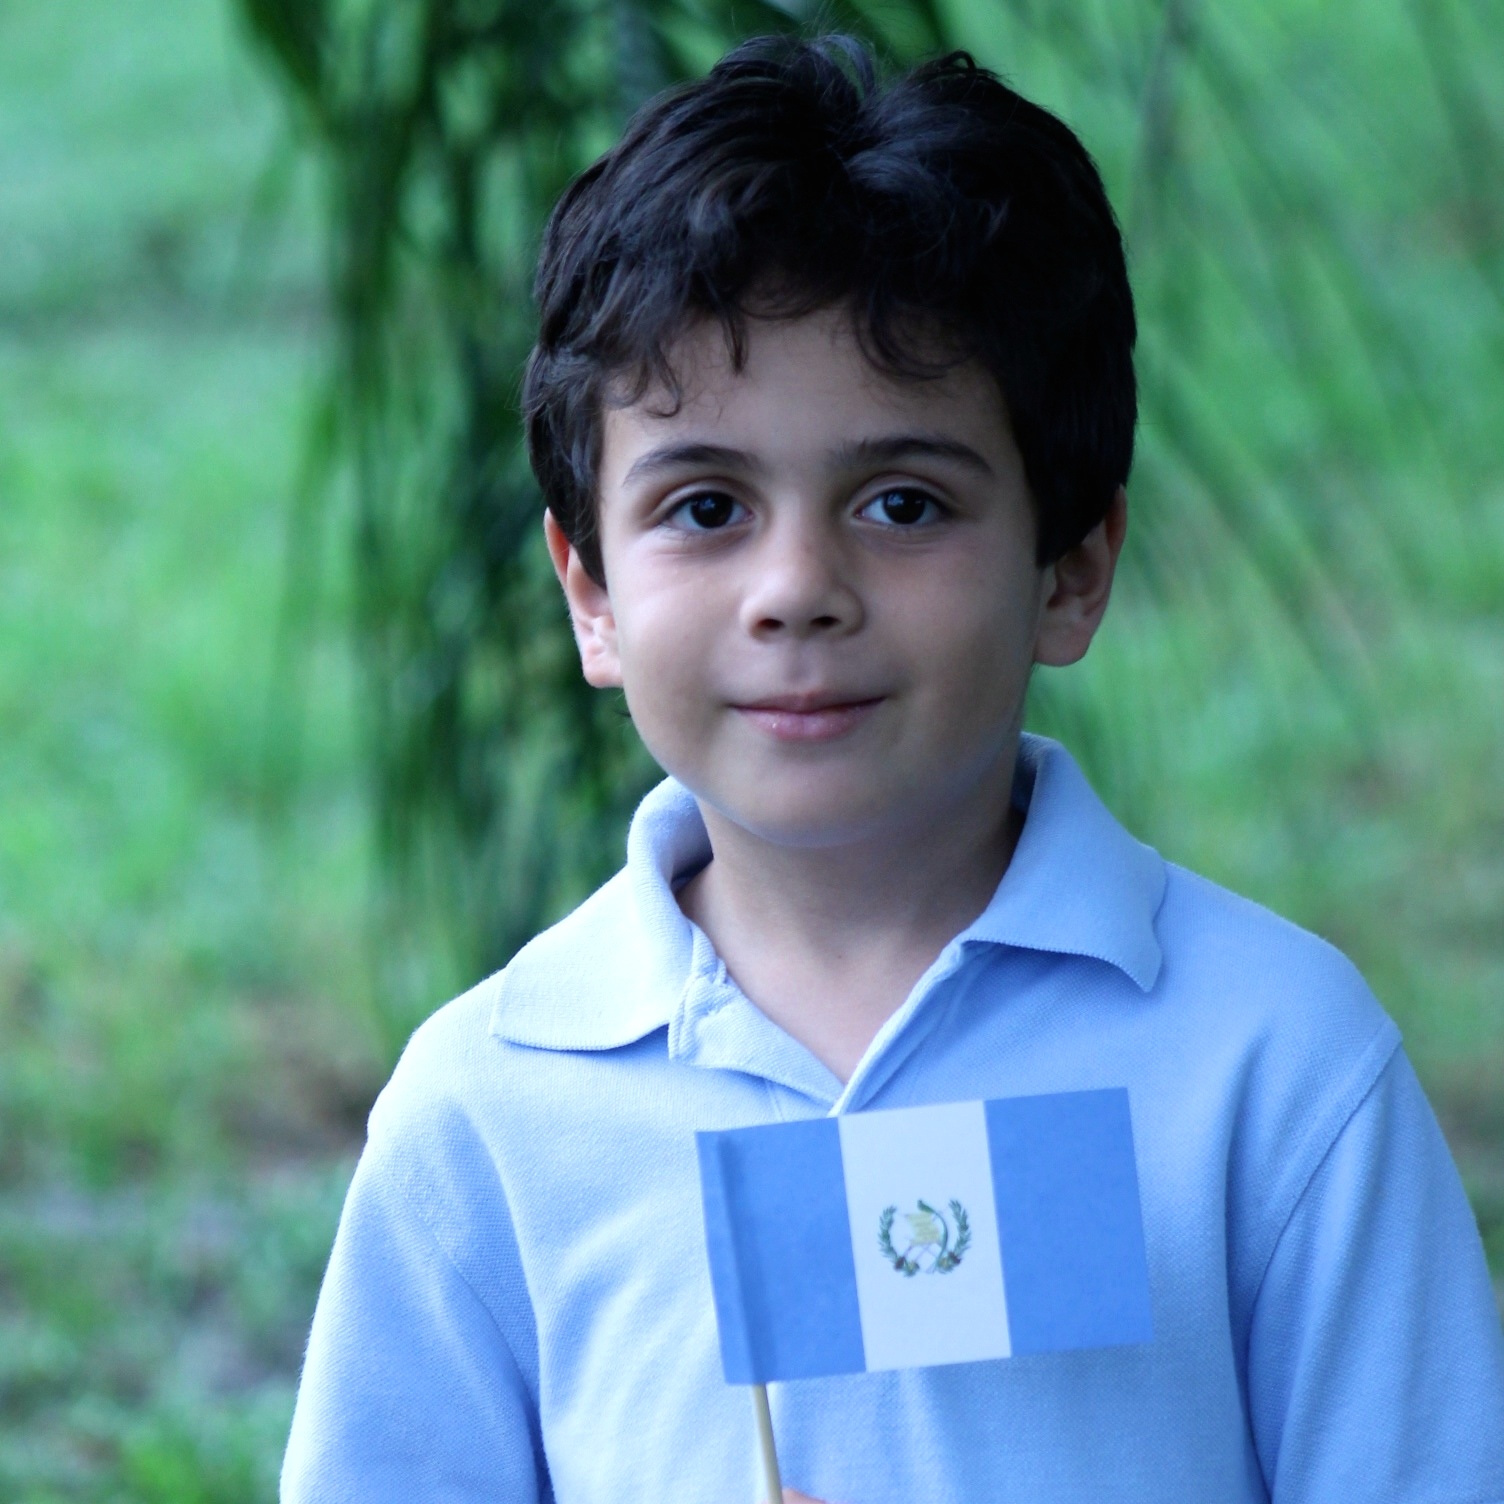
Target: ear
590,611
1078,591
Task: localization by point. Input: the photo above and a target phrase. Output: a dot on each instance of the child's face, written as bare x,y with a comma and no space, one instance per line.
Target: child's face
821,595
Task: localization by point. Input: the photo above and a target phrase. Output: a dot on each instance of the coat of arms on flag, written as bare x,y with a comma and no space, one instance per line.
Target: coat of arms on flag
929,1247
921,1235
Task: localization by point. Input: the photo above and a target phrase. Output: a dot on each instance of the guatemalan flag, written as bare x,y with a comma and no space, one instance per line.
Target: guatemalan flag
920,1235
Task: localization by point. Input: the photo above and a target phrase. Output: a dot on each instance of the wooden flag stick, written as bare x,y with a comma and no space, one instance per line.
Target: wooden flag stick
769,1450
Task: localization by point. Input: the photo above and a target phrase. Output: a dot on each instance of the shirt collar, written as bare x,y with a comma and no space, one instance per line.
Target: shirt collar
627,962
1078,884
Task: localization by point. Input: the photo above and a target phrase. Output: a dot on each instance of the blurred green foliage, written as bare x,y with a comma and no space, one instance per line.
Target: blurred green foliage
186,1046
259,337
1322,294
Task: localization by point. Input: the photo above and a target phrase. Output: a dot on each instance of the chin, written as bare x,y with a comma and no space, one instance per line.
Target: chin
812,819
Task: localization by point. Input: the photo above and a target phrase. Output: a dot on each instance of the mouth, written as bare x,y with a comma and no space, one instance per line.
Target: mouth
808,717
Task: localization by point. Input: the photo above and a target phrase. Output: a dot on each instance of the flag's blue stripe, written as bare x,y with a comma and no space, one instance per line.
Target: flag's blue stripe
725,1273
780,1252
1069,1221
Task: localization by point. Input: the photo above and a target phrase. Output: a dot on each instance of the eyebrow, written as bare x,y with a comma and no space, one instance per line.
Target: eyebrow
859,454
908,446
683,456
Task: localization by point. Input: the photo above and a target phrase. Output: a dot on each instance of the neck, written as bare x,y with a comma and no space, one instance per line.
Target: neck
829,941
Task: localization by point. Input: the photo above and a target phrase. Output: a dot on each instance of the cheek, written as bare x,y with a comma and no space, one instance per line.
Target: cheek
980,629
662,643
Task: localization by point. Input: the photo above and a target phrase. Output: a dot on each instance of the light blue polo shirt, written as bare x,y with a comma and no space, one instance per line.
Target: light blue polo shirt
518,1304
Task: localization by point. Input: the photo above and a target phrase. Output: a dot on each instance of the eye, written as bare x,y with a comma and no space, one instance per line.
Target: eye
706,511
902,506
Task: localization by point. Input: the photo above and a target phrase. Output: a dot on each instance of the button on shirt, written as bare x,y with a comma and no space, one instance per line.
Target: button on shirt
518,1304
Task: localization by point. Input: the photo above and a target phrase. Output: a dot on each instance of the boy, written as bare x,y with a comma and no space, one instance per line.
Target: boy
832,407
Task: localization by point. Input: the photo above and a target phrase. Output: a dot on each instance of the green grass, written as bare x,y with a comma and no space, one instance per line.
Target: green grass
187,1039
151,1335
158,930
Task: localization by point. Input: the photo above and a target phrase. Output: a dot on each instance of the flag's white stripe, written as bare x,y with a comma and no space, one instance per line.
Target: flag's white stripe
896,1159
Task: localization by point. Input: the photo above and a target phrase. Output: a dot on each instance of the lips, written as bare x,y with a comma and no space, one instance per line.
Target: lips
812,717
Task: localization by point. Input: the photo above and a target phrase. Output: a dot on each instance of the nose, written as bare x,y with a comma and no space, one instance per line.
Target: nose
801,584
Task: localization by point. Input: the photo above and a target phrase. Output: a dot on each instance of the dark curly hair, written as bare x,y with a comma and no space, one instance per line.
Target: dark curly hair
945,210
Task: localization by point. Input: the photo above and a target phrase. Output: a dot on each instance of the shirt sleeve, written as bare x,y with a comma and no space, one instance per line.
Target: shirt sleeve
1375,1356
410,1390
